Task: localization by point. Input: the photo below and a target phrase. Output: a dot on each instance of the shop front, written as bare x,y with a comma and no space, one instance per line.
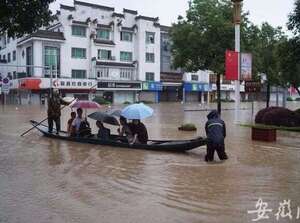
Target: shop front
151,92
119,92
196,92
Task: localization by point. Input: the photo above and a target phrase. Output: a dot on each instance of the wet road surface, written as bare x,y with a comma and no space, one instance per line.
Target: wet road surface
44,180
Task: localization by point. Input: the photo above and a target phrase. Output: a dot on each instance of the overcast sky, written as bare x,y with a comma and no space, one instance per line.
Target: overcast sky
273,11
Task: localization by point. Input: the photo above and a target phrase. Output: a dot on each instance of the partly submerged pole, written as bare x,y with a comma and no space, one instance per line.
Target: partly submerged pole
237,22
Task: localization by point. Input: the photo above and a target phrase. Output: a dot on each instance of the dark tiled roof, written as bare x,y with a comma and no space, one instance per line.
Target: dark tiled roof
66,7
56,24
117,15
114,64
46,35
171,77
104,26
165,28
147,18
94,5
131,29
134,12
80,22
107,42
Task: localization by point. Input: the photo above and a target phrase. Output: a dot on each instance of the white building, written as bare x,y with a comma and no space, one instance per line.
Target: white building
196,86
88,47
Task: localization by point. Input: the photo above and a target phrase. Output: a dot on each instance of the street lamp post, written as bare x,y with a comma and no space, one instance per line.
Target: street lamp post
237,22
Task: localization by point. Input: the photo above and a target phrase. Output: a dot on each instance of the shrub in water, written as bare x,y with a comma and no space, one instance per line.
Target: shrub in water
187,127
278,116
260,115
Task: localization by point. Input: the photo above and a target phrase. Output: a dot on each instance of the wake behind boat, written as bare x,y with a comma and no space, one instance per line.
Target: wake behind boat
155,145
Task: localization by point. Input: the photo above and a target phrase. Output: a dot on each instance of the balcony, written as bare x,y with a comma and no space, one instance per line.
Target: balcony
108,70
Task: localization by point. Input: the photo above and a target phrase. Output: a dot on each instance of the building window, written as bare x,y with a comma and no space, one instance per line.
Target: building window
126,56
52,60
79,31
14,55
73,83
126,73
62,83
150,57
195,78
103,73
79,53
104,55
126,36
29,61
79,84
4,57
8,57
14,75
103,34
78,74
149,76
84,84
68,83
90,83
150,37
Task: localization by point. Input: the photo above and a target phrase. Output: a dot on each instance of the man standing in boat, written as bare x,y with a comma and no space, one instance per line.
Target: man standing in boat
54,110
216,132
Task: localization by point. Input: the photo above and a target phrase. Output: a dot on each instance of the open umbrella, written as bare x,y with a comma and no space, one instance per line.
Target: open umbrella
137,111
85,104
114,113
104,117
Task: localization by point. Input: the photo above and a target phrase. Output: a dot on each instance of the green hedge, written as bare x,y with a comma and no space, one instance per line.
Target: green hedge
187,127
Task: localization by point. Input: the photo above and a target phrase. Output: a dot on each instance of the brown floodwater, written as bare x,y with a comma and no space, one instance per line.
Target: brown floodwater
45,180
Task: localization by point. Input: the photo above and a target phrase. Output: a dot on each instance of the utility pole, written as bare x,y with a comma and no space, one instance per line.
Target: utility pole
237,23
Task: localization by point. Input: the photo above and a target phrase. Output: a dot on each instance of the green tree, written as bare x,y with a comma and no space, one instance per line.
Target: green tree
266,52
200,40
19,17
294,19
289,54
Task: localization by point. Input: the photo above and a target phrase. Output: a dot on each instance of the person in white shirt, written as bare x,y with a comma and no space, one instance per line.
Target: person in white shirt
77,121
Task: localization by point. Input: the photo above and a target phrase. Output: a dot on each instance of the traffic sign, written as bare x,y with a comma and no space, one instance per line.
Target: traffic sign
6,85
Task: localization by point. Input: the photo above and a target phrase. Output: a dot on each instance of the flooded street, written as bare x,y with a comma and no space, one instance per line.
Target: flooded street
45,180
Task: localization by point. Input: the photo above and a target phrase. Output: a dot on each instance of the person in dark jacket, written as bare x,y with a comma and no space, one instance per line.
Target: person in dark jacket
54,113
139,132
216,132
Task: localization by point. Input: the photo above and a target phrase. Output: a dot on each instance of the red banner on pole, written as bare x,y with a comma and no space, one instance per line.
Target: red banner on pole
231,65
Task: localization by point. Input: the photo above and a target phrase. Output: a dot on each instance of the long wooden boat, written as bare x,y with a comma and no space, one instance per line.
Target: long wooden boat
156,145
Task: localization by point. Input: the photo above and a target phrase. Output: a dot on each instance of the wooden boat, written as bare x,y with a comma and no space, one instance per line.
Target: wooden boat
155,145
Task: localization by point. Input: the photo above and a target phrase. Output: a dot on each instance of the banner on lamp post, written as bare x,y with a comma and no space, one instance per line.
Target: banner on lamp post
231,65
246,66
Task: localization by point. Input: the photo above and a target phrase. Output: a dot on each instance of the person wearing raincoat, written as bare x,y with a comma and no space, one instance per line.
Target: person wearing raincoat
216,132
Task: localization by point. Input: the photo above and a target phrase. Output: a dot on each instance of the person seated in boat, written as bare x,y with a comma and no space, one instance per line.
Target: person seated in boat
80,126
103,133
125,130
70,121
139,132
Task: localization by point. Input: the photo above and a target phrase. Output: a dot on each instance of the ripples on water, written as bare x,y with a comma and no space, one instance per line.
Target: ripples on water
44,180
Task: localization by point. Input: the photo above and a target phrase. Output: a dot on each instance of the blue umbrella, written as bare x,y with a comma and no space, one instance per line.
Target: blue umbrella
137,111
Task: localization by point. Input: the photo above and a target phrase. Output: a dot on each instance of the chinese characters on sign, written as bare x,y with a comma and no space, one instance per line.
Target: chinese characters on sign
283,211
246,66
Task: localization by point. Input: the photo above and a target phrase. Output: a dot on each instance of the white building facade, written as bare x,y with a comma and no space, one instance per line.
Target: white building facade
89,50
